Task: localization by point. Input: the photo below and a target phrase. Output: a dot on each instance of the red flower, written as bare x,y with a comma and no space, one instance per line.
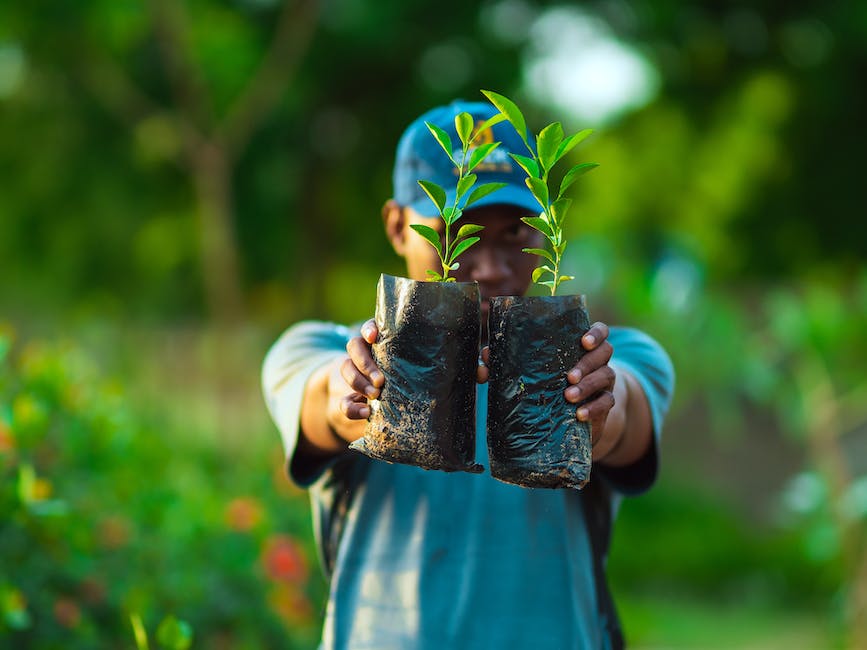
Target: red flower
283,559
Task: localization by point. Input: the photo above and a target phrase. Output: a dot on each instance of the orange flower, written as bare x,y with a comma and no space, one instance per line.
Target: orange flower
243,514
114,532
290,604
67,612
283,559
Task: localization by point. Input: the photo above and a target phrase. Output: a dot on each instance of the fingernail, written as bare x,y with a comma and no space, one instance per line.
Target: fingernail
364,412
376,377
574,375
589,340
583,414
573,393
366,331
371,392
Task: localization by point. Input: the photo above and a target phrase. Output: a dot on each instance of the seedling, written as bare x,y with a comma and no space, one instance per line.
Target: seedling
551,146
449,249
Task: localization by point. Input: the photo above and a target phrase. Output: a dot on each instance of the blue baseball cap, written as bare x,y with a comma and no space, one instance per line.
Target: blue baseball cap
420,157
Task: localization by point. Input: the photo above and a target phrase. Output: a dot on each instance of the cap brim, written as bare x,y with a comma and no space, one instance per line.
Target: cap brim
515,195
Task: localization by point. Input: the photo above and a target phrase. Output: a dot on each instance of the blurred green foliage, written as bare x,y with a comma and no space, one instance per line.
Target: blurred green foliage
171,166
107,515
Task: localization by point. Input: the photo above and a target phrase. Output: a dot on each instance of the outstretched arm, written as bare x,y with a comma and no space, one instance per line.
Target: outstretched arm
617,409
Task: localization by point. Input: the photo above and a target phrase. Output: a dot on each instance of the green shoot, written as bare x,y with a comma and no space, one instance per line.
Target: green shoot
448,248
551,146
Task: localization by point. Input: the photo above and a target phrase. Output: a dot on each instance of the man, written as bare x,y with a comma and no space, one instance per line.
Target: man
427,559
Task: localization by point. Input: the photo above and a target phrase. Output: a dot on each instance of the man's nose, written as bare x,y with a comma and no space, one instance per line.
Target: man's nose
488,265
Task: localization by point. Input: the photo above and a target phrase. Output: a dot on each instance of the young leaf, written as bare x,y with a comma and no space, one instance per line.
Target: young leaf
549,283
564,278
435,192
511,111
482,191
546,144
539,251
559,208
487,124
569,143
442,137
464,127
539,224
468,229
573,174
527,164
537,273
539,189
455,266
433,275
452,214
464,245
466,183
480,153
428,233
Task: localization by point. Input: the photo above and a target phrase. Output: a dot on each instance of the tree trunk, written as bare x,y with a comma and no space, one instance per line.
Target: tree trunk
212,181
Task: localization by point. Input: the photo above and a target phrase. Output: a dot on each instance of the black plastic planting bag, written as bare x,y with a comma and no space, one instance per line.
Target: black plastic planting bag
534,438
428,347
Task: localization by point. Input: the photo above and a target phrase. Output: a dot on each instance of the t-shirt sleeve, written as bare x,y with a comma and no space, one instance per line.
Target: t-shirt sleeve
643,358
288,365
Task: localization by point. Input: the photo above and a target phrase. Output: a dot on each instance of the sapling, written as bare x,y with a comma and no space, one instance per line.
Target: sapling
551,146
449,249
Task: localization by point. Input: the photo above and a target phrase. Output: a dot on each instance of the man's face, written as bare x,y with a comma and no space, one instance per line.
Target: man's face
496,262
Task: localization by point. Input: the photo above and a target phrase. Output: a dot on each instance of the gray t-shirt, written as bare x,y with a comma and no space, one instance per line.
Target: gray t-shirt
426,559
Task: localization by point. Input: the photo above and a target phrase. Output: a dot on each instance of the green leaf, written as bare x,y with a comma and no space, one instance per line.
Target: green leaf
487,124
539,189
564,278
452,214
549,283
435,192
538,272
546,144
464,127
466,183
569,143
539,224
175,634
428,233
482,191
139,632
468,229
480,153
455,266
443,138
539,251
463,245
573,174
560,248
527,164
433,275
508,108
559,208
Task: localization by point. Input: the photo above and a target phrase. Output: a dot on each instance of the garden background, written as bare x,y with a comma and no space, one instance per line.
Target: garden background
181,180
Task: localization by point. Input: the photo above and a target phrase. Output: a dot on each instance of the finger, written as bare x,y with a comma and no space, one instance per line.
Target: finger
597,333
590,361
359,351
355,407
600,379
357,381
596,412
486,355
369,331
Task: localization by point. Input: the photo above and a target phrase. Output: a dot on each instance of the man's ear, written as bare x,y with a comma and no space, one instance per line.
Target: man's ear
394,220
